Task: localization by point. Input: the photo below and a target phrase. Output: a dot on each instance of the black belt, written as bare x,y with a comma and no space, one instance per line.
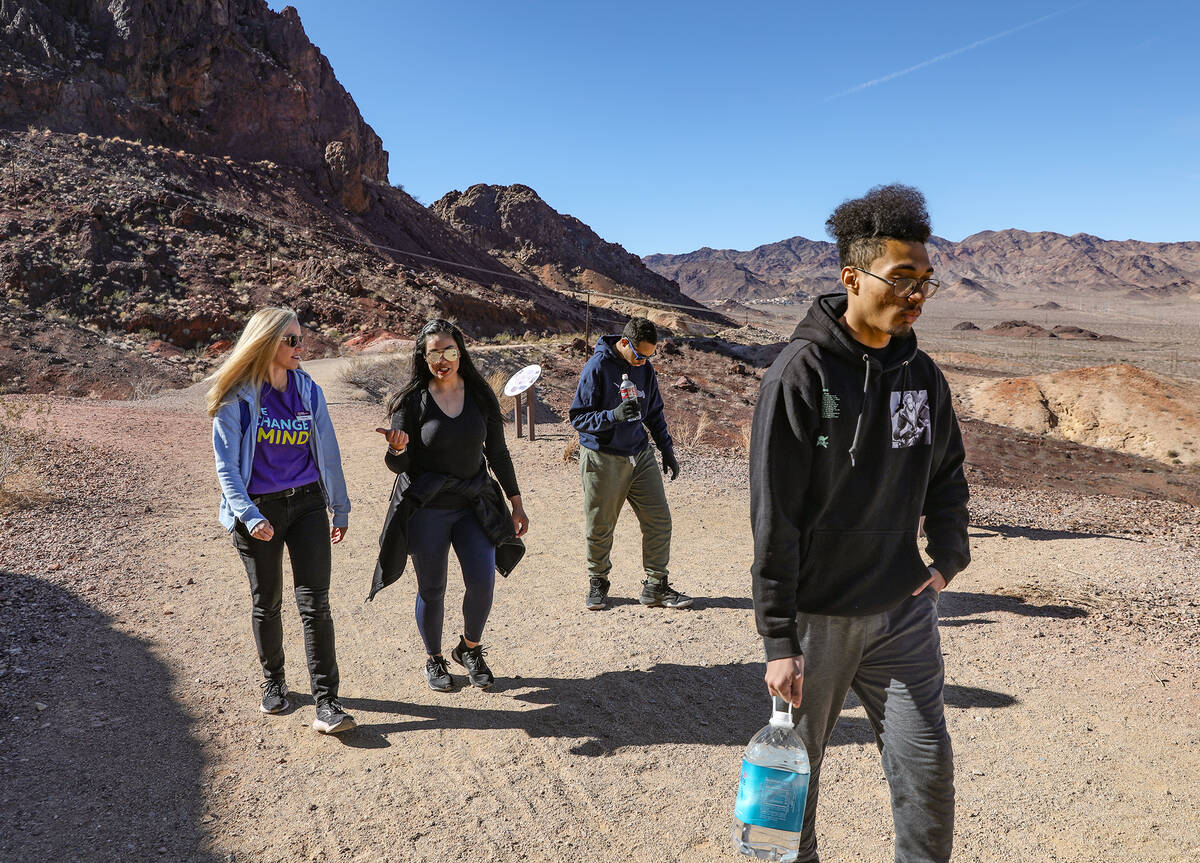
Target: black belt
287,492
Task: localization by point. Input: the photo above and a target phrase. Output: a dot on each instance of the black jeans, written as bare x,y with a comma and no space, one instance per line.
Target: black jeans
302,524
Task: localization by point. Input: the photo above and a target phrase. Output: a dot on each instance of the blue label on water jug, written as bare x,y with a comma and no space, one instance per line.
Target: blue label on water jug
770,797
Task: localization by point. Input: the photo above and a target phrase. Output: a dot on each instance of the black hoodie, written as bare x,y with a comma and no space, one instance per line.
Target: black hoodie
846,455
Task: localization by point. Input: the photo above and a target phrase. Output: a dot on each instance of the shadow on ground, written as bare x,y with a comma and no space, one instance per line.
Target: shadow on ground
108,768
1013,531
721,705
953,604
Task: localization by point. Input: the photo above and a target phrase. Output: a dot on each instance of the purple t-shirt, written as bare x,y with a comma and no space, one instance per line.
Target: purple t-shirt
282,455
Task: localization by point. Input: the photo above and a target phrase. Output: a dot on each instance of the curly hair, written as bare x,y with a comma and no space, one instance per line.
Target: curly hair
861,225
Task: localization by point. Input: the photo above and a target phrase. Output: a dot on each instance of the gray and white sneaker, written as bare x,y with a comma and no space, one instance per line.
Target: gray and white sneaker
274,698
331,717
597,596
659,594
437,674
471,658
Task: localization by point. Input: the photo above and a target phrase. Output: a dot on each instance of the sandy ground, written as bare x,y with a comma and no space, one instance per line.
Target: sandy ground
130,727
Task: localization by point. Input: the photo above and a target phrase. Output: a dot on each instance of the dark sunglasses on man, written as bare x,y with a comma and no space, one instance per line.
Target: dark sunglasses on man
638,356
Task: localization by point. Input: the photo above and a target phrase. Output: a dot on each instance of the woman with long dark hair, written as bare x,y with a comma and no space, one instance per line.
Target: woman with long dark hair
280,473
447,430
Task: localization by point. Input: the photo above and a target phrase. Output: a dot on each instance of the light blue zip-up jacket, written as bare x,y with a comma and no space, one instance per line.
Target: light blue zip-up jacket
234,451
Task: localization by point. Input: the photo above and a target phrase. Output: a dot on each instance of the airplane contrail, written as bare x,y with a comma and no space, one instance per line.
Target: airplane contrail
859,87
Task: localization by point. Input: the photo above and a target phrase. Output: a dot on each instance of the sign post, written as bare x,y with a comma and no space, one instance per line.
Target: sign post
519,384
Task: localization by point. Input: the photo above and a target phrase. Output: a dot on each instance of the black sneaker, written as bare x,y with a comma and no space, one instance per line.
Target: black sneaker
471,658
274,698
437,674
331,718
658,594
597,596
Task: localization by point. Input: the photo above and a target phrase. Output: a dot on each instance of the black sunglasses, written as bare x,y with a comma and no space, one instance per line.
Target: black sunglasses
292,340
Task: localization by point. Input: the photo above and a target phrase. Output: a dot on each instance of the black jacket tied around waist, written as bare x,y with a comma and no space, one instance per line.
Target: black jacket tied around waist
410,494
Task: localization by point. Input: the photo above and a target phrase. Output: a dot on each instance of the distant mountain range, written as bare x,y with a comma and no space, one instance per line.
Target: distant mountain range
984,266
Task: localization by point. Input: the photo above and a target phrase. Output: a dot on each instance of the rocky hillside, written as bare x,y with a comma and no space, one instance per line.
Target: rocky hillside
171,165
979,267
1118,407
109,245
213,77
516,226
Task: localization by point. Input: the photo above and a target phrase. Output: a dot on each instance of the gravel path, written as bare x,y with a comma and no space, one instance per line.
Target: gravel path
130,730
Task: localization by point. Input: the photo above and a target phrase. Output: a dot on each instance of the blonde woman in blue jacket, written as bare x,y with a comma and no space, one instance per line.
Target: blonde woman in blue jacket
281,475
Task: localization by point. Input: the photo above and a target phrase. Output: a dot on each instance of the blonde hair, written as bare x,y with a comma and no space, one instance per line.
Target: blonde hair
250,359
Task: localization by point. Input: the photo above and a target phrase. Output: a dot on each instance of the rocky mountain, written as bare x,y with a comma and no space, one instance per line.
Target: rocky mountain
516,226
982,266
171,165
213,77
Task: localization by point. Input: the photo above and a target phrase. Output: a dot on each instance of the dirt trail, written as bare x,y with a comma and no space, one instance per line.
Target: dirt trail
610,736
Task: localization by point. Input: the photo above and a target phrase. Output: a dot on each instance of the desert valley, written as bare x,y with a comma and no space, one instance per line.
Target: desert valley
143,217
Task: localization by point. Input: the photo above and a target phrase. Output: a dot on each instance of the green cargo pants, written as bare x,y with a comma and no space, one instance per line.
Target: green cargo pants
609,481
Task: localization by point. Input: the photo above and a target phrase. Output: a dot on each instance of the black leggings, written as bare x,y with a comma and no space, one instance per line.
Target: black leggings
302,524
431,532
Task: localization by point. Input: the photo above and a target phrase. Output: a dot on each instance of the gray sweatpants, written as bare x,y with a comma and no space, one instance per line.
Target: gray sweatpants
893,662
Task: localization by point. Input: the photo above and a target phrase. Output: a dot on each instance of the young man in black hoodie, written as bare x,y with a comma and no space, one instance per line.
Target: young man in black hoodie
854,440
617,463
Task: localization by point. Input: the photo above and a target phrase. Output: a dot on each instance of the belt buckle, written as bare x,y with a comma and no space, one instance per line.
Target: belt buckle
289,492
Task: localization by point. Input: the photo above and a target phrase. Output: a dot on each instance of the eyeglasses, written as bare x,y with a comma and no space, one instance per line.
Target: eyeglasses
638,356
906,287
292,340
447,354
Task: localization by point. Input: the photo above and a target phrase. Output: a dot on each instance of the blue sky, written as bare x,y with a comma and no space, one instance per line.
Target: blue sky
668,126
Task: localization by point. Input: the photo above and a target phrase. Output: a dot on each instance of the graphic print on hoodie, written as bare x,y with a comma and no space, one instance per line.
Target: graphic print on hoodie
599,392
850,447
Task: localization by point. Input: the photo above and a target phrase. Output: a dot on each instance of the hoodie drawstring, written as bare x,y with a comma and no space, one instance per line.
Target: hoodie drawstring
862,409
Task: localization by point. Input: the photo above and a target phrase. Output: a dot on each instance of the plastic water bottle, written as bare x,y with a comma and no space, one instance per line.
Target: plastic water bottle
769,813
629,390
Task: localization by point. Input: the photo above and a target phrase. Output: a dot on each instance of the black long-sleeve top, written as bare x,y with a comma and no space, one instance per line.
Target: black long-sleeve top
455,446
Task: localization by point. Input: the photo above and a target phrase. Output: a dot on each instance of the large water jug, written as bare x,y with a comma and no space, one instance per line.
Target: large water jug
769,813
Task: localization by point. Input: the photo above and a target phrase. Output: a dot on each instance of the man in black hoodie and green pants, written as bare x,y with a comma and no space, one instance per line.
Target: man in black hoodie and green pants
854,440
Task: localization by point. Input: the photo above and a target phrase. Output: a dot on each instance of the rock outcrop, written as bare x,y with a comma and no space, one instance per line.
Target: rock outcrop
514,224
1118,407
216,77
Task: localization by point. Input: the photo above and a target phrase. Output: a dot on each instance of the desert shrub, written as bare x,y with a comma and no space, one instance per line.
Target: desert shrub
19,443
744,436
690,432
145,385
378,378
496,380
